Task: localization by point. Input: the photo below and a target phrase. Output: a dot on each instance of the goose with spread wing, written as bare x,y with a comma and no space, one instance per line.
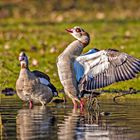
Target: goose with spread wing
80,73
33,86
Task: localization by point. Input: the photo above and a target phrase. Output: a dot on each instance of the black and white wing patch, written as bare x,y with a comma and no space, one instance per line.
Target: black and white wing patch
41,74
44,79
107,67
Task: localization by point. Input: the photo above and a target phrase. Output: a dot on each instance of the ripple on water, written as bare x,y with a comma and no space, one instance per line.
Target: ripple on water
63,123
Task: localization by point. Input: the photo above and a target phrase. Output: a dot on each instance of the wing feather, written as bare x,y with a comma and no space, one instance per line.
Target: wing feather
41,74
132,67
99,80
102,79
124,72
118,74
128,76
44,79
106,67
94,84
91,83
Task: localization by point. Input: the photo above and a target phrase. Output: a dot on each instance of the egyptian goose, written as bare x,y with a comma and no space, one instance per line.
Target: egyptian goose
33,86
95,69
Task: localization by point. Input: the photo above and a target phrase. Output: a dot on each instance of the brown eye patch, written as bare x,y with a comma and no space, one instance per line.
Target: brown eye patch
78,30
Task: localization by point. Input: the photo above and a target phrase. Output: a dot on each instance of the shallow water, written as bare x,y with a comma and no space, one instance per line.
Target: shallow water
59,121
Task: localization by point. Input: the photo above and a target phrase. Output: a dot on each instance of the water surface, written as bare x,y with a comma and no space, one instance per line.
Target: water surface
61,122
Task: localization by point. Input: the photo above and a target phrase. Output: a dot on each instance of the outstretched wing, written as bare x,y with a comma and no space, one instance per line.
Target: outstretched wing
106,67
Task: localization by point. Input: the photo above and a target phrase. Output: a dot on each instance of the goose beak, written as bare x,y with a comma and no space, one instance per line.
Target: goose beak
69,30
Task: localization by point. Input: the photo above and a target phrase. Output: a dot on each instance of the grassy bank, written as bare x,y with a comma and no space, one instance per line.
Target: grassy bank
43,39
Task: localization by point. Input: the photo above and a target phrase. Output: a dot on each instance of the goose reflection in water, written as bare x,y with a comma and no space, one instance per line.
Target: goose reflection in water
34,123
89,126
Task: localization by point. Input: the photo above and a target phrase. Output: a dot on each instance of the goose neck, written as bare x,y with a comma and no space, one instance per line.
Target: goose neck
75,48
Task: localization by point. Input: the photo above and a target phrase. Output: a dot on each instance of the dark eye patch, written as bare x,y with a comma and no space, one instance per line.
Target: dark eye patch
23,54
78,30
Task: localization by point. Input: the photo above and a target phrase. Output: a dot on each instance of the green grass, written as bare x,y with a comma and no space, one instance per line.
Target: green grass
104,34
18,34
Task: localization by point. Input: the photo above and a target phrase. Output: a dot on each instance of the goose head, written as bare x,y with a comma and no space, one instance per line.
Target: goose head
23,60
80,34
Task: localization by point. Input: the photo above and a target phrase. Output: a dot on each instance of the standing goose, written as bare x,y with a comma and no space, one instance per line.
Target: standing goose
33,86
94,69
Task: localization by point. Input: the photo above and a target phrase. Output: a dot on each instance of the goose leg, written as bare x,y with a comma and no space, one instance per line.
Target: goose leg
74,99
75,104
30,104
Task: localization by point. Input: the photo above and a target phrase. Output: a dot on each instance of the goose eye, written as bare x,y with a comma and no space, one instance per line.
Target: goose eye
78,30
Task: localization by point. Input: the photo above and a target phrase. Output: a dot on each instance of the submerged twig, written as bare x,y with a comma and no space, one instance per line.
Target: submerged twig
124,93
93,101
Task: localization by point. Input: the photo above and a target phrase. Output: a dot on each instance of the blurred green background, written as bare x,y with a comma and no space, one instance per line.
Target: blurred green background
38,28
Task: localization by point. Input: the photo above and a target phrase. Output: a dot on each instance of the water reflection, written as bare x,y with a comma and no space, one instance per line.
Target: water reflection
34,123
60,122
89,126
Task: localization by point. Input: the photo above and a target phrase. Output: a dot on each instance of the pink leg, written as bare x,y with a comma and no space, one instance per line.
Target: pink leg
30,104
75,104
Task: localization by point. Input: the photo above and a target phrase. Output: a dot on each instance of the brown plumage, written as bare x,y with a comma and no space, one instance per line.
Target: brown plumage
95,69
33,86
